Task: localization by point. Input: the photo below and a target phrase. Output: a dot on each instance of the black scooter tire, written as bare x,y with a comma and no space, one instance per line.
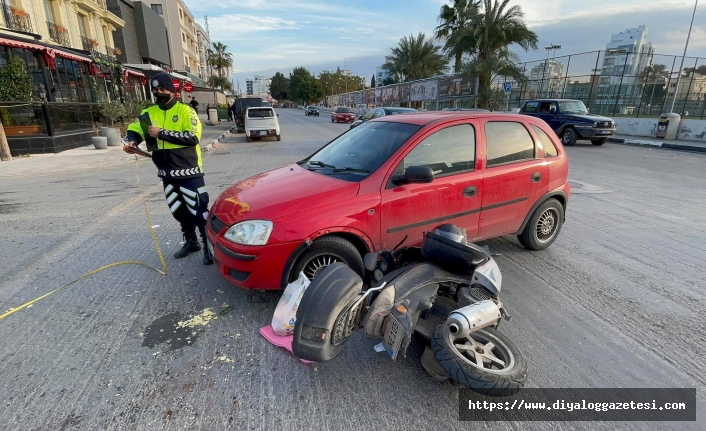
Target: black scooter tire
495,383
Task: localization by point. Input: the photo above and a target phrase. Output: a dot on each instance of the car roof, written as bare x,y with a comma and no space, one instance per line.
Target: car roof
396,109
424,118
553,100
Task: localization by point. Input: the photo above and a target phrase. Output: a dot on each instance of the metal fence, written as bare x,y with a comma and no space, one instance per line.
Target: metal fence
618,83
610,82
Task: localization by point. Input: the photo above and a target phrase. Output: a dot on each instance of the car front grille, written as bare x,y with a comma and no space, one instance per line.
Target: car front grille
605,124
216,224
238,275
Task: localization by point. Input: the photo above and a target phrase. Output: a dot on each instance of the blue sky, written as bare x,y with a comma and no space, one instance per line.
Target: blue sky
276,35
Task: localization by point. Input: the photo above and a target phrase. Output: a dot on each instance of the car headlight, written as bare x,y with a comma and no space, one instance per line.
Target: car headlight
251,232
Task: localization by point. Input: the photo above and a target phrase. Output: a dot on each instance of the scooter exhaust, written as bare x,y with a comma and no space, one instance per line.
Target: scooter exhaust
473,317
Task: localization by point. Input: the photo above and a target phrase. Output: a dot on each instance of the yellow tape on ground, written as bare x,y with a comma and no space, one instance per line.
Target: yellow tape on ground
163,271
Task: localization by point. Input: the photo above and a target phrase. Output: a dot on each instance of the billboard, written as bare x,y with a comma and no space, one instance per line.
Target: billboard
425,90
404,93
371,97
456,87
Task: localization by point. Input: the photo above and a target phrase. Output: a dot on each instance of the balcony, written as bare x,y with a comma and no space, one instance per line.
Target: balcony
16,19
89,44
59,34
187,68
97,6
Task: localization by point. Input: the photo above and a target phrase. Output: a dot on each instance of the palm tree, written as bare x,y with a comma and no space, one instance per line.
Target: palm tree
490,27
655,72
415,58
220,58
456,29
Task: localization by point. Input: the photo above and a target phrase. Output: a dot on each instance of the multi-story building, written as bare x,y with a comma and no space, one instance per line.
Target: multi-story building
86,25
380,75
203,41
181,31
143,40
260,86
547,79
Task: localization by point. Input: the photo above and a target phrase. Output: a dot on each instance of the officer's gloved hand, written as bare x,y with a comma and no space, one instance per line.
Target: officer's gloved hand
127,146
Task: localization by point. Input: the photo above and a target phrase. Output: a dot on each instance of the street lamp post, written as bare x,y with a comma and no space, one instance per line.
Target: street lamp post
674,99
548,48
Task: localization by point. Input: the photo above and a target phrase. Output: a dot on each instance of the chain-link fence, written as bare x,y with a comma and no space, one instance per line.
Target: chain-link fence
610,82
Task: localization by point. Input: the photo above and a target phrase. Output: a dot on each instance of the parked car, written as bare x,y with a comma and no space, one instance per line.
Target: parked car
301,107
341,113
570,120
261,123
390,178
380,112
311,110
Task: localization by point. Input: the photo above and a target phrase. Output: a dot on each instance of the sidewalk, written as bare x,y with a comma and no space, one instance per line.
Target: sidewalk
698,147
85,158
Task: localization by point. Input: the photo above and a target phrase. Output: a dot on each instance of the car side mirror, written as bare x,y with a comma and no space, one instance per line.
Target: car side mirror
360,117
414,175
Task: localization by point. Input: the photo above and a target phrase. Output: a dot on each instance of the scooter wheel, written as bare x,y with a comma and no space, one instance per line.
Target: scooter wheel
485,361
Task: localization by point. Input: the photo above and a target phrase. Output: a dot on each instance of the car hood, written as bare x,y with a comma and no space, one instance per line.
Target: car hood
586,117
275,194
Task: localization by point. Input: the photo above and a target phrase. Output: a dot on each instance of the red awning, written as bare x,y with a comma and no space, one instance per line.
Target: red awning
48,53
70,55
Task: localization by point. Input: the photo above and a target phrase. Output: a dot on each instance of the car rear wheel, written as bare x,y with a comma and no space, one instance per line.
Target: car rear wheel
569,137
279,137
247,139
543,226
598,142
322,253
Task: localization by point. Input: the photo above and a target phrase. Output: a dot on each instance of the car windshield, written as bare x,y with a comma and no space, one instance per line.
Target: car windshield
260,113
344,110
361,151
572,107
312,107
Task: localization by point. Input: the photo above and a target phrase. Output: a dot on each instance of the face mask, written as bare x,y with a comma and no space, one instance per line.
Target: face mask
162,98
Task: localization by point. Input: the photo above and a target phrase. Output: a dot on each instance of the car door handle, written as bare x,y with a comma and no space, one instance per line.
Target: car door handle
470,191
536,177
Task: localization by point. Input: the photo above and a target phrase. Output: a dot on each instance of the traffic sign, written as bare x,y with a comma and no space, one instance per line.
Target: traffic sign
177,84
188,87
508,87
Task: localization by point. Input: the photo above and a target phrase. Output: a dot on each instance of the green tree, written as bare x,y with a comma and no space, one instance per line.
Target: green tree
15,82
220,82
389,80
701,70
502,63
372,82
279,87
655,72
415,58
297,83
456,29
492,29
219,58
336,82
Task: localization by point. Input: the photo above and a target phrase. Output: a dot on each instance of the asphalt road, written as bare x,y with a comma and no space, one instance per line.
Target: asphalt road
617,301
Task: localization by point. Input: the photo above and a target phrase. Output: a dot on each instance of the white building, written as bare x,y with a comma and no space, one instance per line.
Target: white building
204,44
380,75
627,55
547,79
260,86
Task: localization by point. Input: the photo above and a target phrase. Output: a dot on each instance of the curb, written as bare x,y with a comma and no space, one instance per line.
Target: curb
665,145
214,144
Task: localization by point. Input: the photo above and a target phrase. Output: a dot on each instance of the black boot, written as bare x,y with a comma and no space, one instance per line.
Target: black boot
191,245
207,256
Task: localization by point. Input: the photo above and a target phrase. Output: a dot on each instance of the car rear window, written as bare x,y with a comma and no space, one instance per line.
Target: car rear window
547,145
260,113
507,142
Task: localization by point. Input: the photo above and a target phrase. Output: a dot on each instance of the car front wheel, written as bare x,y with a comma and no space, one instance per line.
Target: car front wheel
569,137
543,226
322,253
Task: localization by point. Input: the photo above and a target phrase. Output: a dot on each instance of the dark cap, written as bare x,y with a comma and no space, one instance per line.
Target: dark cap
163,80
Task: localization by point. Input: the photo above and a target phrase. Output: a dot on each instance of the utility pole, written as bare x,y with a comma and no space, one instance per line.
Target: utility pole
674,99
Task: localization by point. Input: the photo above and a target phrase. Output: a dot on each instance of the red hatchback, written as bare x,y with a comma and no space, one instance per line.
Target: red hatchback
491,174
342,114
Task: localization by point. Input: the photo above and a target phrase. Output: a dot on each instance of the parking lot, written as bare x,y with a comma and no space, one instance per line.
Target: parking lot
617,301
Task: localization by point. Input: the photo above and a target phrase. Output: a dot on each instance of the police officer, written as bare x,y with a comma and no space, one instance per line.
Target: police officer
172,131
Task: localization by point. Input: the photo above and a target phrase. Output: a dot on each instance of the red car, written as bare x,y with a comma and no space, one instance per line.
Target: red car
342,114
397,176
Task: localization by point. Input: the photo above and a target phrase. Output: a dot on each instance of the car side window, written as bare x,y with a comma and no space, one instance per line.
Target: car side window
544,107
507,142
378,113
532,107
448,151
547,145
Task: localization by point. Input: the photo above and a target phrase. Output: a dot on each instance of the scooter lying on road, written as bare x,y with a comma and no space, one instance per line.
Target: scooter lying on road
446,290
